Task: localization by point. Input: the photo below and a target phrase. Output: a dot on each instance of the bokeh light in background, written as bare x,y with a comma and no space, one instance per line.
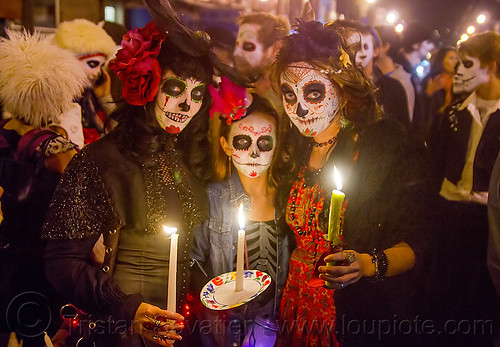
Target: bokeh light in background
399,28
392,17
471,29
481,19
464,37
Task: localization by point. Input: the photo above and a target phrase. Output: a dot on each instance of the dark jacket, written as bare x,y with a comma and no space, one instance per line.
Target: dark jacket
388,202
391,96
103,191
450,147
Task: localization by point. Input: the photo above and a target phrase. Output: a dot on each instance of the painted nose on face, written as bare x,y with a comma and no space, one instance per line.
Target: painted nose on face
184,106
254,154
301,112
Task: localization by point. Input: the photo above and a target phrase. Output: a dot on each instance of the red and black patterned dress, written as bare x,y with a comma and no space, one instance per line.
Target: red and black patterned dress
307,313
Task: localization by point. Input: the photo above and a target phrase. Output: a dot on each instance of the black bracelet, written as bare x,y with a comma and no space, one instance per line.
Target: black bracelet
381,265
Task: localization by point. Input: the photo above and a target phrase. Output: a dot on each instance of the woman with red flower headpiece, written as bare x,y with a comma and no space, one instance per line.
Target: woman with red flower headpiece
245,174
142,176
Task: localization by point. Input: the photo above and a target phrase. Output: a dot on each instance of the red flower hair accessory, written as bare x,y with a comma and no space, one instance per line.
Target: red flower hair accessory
136,64
229,100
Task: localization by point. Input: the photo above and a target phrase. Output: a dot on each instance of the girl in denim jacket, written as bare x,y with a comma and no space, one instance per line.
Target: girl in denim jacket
247,138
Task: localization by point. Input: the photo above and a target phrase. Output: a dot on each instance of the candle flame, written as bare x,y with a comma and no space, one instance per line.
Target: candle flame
169,231
241,217
337,177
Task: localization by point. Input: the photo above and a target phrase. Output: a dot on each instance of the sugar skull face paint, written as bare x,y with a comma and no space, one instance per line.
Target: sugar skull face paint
177,101
310,99
250,56
252,141
92,65
469,75
364,56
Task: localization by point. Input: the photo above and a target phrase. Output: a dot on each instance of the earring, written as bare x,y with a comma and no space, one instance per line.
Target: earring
229,164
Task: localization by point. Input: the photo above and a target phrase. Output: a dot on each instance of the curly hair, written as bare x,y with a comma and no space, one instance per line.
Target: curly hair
322,47
139,132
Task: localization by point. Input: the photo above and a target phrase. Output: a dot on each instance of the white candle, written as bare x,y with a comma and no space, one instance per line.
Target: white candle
172,269
240,256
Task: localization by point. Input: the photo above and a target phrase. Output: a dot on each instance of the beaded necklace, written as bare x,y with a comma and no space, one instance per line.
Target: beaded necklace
307,191
333,141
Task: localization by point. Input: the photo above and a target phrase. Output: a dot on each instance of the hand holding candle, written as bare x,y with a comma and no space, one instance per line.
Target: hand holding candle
241,250
172,269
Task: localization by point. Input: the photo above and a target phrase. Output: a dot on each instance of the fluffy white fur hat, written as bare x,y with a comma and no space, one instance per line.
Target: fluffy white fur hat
84,37
38,80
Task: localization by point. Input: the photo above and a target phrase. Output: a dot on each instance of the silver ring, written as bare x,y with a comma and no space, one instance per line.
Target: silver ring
350,257
342,285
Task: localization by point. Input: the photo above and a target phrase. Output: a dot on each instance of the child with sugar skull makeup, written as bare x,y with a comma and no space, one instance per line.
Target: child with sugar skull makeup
464,151
245,173
336,121
143,175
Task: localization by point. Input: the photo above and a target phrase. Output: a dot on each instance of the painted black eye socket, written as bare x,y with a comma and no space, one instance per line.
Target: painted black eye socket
93,63
265,143
249,46
198,93
365,46
314,92
468,64
242,142
173,87
288,94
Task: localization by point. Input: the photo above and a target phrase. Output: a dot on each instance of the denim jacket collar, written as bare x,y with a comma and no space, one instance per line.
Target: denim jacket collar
236,192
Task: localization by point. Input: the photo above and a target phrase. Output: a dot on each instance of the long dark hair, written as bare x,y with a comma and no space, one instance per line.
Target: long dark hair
139,133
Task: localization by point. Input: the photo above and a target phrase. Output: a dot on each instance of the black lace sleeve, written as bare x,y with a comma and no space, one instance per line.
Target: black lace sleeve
80,211
81,206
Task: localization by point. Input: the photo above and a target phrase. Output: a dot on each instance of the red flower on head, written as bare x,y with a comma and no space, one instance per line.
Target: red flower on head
228,101
136,65
142,82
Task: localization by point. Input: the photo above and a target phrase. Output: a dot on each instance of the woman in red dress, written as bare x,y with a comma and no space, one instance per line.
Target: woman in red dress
322,92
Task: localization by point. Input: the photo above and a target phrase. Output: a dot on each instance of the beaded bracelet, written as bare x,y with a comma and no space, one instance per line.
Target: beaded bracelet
381,265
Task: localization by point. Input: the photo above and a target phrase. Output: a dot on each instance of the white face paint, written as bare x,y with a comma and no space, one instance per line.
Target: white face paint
364,57
310,99
252,141
92,65
469,75
250,57
177,101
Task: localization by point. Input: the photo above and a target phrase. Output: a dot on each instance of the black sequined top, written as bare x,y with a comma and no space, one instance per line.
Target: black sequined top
104,190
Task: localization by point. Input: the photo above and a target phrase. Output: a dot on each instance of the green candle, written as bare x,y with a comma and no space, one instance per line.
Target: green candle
335,211
335,216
